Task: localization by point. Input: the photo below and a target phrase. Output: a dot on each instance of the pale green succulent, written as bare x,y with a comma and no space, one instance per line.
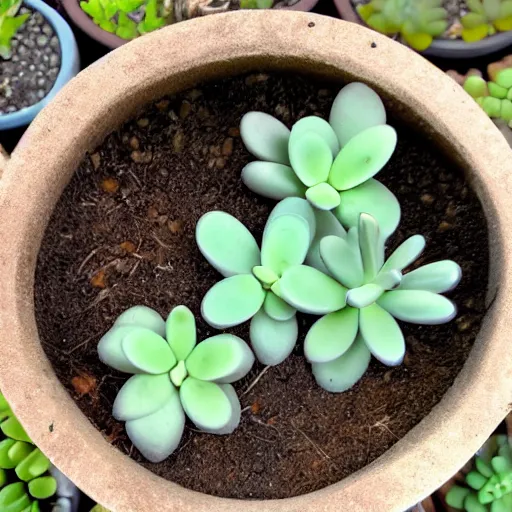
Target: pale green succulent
252,277
489,483
173,377
24,477
340,344
307,161
9,25
485,18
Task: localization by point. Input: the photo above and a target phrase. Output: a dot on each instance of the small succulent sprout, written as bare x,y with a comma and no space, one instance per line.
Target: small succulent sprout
489,483
331,164
339,344
485,18
172,377
24,476
418,21
492,106
476,86
9,25
252,277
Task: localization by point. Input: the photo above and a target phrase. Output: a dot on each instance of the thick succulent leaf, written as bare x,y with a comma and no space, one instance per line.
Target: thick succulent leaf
473,20
311,158
501,464
475,480
418,306
212,407
265,275
323,196
371,246
232,301
13,498
483,468
142,316
12,428
492,8
142,395
363,157
456,496
342,373
43,487
364,295
18,451
373,198
227,244
331,336
265,137
285,243
294,206
156,436
272,340
388,280
326,224
356,108
503,504
438,277
224,358
5,460
110,350
382,335
277,308
475,6
181,332
419,41
405,254
310,291
316,125
148,351
32,466
343,262
275,181
504,24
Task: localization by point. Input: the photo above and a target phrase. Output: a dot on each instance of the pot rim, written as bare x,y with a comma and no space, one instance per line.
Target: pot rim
69,66
185,54
85,23
444,48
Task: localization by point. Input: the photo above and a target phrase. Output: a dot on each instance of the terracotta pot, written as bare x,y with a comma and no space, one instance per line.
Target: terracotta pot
85,23
107,93
444,48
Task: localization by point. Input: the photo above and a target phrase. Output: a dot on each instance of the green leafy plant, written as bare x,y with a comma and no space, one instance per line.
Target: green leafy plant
9,24
173,377
489,484
256,4
495,97
127,18
24,477
485,18
307,162
340,344
417,21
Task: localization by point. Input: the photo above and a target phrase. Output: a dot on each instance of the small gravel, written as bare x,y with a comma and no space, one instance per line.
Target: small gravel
29,75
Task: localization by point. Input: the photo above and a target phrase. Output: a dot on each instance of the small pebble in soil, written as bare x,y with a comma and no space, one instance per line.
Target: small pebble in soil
29,75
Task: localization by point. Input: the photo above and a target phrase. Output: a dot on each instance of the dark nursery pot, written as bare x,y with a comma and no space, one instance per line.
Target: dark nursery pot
443,48
69,66
108,93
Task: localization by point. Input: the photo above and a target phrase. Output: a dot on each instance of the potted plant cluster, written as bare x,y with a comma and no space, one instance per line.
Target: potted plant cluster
437,28
224,261
38,55
114,22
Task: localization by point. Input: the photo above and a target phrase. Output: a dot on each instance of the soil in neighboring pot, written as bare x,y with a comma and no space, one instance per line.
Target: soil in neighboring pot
28,76
456,9
123,234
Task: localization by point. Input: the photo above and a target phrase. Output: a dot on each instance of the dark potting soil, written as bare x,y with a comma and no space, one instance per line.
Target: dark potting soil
123,234
28,76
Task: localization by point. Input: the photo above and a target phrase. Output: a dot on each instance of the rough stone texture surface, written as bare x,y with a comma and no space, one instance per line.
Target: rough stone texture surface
108,93
28,76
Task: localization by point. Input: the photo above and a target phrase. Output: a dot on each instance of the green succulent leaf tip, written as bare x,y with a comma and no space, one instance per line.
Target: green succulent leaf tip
489,483
485,18
380,292
128,18
172,377
331,163
10,23
24,476
493,97
417,21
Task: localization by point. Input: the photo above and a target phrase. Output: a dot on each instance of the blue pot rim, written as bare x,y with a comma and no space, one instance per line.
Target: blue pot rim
70,65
